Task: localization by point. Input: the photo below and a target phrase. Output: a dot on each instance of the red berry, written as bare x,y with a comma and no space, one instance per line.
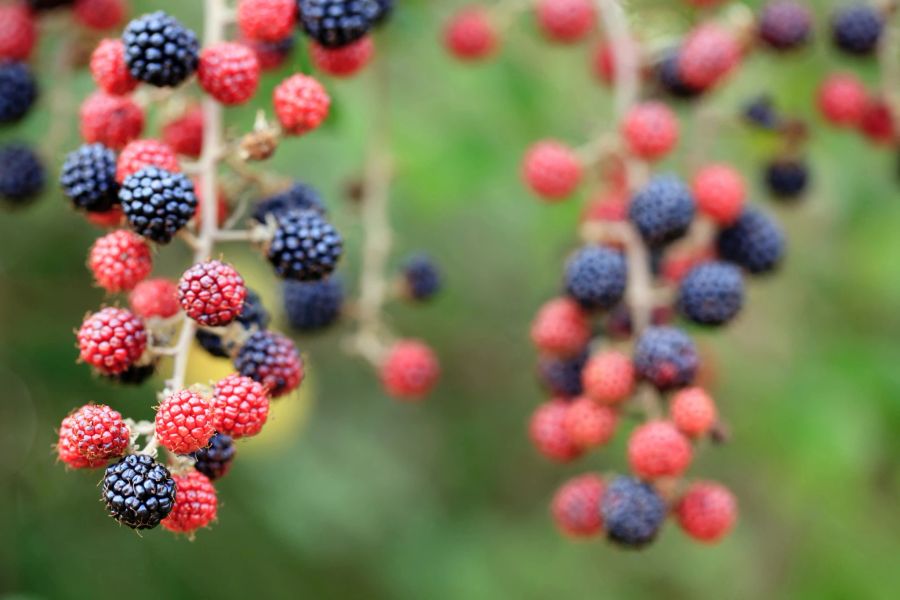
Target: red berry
301,104
604,59
111,120
97,433
708,54
184,422
195,503
185,134
67,449
229,72
109,69
344,61
120,260
576,506
145,153
112,340
240,406
561,327
877,122
607,206
693,411
548,432
565,21
842,99
650,130
109,219
551,169
410,370
658,449
100,14
719,191
154,298
590,424
17,32
212,293
707,511
470,35
267,20
678,263
608,377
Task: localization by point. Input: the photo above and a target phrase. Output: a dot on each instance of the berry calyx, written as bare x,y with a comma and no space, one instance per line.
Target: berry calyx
576,506
112,340
240,406
184,422
195,504
212,293
410,371
119,261
657,449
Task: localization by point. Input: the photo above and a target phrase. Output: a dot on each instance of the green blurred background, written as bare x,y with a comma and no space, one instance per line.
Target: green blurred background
353,495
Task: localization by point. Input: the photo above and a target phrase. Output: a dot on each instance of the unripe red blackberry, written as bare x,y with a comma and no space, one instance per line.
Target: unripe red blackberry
877,122
195,503
240,406
229,72
301,104
109,70
184,422
120,260
212,293
17,32
561,327
590,424
551,170
720,192
185,134
658,449
154,298
271,55
576,506
112,340
271,359
650,130
100,14
608,377
693,411
267,20
842,99
67,449
97,433
707,511
549,434
410,371
470,35
345,61
111,120
145,153
666,357
565,21
708,54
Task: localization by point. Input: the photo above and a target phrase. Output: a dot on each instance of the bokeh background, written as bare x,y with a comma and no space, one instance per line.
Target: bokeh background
349,494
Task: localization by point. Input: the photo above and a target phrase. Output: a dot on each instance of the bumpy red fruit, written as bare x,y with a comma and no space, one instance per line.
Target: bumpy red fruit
561,328
112,340
719,191
97,433
548,432
267,20
184,422
67,449
185,134
608,377
842,99
111,120
410,370
229,72
707,511
301,104
108,219
650,130
565,21
470,35
212,293
658,449
552,170
145,153
693,411
120,260
100,14
877,122
576,506
195,505
344,61
154,298
590,424
240,406
109,70
708,55
17,32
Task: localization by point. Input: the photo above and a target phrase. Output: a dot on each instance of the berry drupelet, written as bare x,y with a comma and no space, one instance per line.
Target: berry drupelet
632,512
138,491
22,174
313,305
88,178
215,460
159,50
18,90
856,29
662,210
787,179
421,278
711,293
300,196
595,277
336,23
755,242
253,317
785,25
157,203
305,246
666,357
271,359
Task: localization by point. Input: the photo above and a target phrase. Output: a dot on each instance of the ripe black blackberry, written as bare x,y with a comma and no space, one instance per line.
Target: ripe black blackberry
159,50
305,246
761,112
271,359
787,179
300,196
755,242
711,293
385,9
595,277
421,278
88,178
662,210
336,23
157,203
666,357
669,78
632,511
138,491
313,305
21,174
785,25
215,460
253,317
562,376
856,29
18,90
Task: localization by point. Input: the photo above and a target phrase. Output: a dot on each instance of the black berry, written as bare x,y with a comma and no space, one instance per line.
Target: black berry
18,90
562,376
755,242
787,179
88,178
421,277
138,491
21,174
785,24
711,293
632,512
662,210
666,357
300,196
305,246
596,276
215,460
336,23
158,203
856,29
313,305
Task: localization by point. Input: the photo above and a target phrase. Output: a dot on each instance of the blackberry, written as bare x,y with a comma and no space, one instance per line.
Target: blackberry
253,317
632,511
711,293
666,357
662,210
787,178
134,375
215,460
785,24
21,174
305,246
760,111
755,242
159,50
271,359
18,90
158,203
88,178
336,23
138,491
385,10
856,29
313,305
669,77
596,276
562,376
299,197
421,277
